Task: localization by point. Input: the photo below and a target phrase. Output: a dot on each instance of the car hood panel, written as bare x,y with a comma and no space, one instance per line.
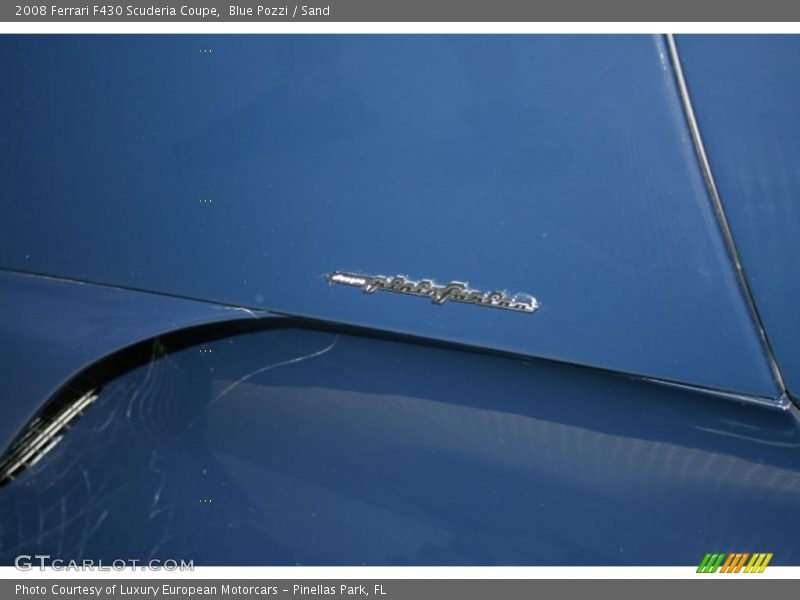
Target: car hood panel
244,170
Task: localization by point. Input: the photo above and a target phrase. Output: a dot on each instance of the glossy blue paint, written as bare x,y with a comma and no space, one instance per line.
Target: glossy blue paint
51,330
745,91
558,166
289,446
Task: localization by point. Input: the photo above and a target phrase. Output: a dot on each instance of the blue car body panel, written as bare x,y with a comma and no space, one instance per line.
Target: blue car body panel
243,169
746,90
186,197
312,447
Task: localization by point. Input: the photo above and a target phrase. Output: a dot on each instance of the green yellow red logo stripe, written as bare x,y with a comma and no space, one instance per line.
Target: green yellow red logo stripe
734,562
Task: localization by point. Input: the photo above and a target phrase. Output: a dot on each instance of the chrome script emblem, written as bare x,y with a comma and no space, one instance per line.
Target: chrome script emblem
439,294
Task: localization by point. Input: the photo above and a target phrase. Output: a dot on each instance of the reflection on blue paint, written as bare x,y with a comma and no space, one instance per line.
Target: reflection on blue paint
290,446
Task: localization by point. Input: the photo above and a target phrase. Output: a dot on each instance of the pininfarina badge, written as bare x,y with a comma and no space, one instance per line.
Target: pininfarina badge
456,291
